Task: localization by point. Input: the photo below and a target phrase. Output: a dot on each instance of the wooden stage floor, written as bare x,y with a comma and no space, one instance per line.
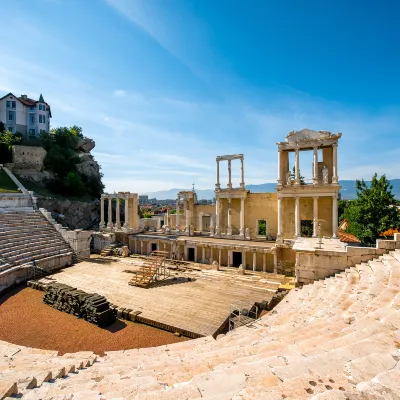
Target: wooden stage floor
200,306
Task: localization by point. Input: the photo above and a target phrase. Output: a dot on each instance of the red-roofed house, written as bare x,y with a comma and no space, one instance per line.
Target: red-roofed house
25,115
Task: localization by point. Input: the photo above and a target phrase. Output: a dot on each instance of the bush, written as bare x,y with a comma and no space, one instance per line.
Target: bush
62,159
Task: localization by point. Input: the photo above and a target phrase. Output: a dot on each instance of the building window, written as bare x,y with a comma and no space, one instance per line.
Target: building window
11,104
40,118
44,119
32,131
32,108
11,116
42,107
8,104
31,118
10,129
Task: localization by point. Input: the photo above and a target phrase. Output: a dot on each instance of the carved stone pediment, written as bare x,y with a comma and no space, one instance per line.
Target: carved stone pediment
310,135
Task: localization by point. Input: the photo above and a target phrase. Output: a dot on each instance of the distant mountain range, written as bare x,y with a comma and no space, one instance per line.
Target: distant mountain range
348,190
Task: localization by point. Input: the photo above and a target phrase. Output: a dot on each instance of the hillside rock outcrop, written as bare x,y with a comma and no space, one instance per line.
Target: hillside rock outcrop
73,214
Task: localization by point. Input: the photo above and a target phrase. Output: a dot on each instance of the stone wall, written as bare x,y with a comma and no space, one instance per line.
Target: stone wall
153,223
318,264
261,206
78,239
101,240
28,157
17,275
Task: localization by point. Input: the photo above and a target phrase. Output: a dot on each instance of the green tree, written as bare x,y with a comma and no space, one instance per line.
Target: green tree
342,204
9,139
373,211
302,182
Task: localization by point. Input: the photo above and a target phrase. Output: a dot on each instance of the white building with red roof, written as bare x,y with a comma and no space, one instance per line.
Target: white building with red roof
25,115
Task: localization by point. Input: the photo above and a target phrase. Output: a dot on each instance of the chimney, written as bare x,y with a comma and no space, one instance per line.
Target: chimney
24,96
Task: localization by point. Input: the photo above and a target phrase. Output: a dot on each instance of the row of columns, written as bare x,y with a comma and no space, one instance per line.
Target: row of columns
140,247
229,225
297,220
335,178
118,212
242,185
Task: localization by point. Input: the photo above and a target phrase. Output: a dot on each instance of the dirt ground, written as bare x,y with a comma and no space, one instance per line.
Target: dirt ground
26,320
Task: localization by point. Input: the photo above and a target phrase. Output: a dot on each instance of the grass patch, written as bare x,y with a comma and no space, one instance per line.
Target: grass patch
45,192
6,184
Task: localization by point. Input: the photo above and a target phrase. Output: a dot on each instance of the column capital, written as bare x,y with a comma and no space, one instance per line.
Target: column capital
335,144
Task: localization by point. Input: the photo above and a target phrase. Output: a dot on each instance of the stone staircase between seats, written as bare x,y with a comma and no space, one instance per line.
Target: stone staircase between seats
27,237
334,339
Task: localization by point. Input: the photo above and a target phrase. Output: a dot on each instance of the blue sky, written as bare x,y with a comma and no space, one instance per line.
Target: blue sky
164,86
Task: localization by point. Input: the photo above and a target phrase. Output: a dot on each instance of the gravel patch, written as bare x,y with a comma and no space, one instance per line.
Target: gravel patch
27,321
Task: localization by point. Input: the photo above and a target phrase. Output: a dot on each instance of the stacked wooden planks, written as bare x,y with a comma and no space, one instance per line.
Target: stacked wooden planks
92,307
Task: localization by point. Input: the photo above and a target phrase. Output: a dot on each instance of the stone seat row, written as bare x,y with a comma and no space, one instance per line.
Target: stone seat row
37,245
17,237
45,366
334,337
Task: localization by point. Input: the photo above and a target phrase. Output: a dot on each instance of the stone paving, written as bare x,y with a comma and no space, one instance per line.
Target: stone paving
200,305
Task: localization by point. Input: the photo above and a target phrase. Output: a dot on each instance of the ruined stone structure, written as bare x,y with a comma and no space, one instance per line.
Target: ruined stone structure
301,201
131,202
255,230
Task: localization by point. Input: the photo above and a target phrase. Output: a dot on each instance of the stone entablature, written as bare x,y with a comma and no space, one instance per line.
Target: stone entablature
131,223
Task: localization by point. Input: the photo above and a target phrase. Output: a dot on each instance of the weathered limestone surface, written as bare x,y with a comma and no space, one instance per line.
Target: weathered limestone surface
333,339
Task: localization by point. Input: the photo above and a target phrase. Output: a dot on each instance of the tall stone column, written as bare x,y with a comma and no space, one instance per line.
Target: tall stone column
185,252
315,222
297,168
264,262
229,258
241,233
244,259
279,167
315,173
141,247
187,216
211,255
117,215
229,174
203,255
229,230
297,217
335,178
102,211
216,216
201,222
254,261
275,262
219,256
334,216
280,217
110,224
126,224
242,165
177,215
217,185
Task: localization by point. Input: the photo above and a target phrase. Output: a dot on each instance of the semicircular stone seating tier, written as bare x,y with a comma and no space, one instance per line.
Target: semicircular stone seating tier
338,338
